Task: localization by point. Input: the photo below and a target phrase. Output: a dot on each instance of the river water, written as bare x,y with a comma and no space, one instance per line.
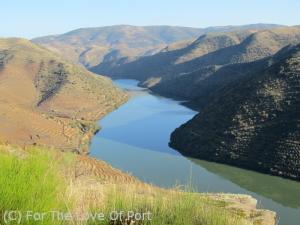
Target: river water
135,137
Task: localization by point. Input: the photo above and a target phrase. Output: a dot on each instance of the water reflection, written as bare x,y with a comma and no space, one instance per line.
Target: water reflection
135,139
283,191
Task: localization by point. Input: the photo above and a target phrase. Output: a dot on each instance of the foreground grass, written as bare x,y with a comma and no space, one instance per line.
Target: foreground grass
31,182
40,181
129,205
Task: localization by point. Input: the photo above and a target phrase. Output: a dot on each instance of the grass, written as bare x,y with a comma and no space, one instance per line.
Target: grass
128,203
32,182
40,181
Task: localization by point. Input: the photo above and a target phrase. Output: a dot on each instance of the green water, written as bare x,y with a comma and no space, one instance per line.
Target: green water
135,137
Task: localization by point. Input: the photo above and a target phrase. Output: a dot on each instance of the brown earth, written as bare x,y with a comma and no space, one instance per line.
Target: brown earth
47,101
93,177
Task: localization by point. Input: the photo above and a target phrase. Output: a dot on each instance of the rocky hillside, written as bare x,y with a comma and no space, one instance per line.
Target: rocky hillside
253,122
198,69
47,101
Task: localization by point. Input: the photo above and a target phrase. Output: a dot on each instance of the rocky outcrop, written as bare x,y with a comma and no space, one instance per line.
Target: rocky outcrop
49,79
247,206
253,122
5,56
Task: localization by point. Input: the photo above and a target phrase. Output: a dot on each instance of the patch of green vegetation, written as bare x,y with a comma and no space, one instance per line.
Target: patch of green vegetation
36,181
32,182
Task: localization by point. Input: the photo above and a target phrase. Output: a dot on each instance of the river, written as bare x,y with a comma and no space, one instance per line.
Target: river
134,138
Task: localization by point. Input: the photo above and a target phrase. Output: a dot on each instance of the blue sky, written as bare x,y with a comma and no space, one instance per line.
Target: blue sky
32,18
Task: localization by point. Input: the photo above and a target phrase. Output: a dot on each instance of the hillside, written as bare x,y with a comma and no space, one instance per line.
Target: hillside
106,48
79,186
210,62
47,101
114,44
253,122
171,57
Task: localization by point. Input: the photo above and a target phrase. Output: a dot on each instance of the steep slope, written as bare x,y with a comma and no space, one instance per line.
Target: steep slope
47,101
108,47
164,60
194,70
253,122
92,46
170,58
198,78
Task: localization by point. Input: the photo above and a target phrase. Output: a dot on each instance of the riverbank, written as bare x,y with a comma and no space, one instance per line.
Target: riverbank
48,101
84,185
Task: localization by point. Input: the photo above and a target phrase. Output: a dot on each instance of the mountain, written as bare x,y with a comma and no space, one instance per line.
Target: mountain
45,100
109,47
92,46
172,57
198,79
253,122
196,70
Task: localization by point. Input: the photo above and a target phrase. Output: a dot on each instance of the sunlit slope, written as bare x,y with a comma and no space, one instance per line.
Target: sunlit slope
47,101
199,68
106,48
92,46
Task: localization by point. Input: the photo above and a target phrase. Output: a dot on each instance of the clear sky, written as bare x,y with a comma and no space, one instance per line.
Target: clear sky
32,18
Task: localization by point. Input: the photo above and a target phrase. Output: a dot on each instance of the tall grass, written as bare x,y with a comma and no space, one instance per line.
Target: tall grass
171,207
31,183
37,181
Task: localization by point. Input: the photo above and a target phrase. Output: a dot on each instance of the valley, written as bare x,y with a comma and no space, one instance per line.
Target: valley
183,103
203,71
130,141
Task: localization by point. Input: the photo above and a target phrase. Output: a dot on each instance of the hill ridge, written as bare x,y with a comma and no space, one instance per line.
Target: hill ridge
253,122
45,100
